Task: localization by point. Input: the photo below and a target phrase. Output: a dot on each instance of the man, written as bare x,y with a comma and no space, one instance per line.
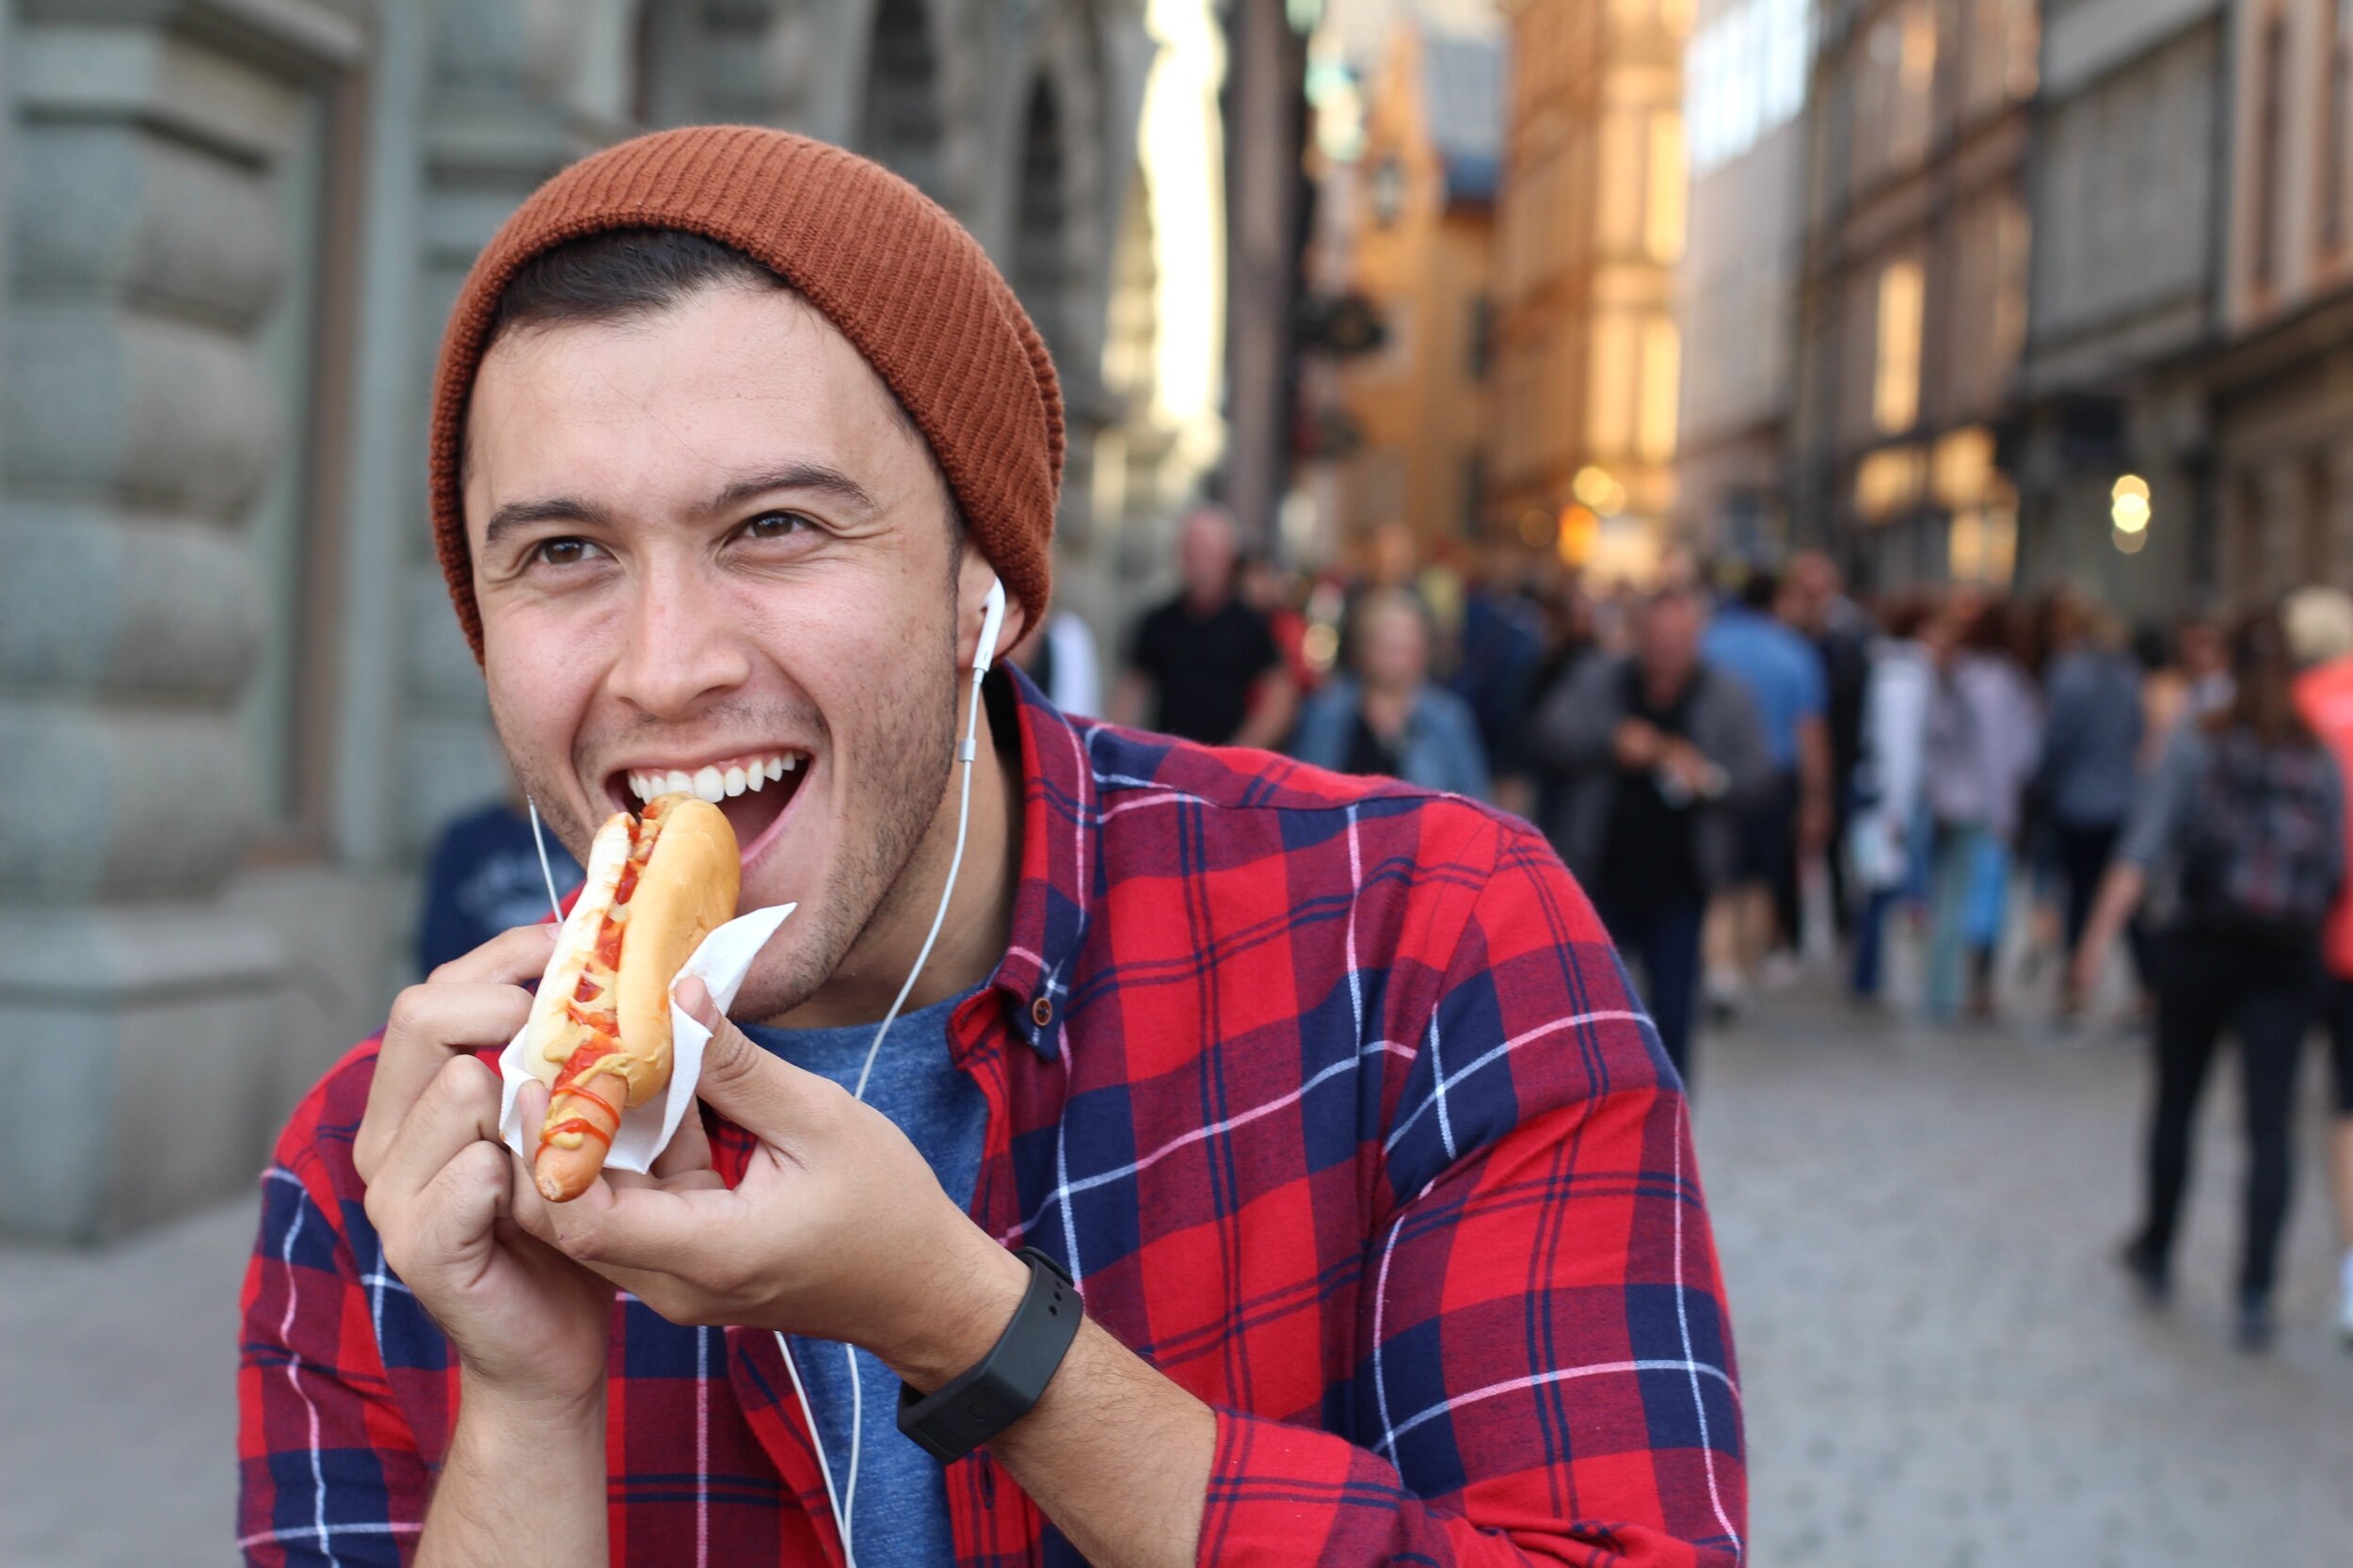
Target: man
1661,755
1820,611
1323,1096
1789,821
2319,625
1204,665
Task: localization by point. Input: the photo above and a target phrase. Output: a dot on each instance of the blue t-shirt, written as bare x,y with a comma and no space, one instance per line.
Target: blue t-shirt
899,1510
1780,669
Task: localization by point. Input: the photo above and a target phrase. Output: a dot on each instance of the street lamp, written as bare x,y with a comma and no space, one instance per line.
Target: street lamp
2129,512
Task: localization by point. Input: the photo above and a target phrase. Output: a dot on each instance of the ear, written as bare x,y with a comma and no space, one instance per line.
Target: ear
975,576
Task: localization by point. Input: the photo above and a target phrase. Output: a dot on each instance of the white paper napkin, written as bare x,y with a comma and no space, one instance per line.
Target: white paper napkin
646,1129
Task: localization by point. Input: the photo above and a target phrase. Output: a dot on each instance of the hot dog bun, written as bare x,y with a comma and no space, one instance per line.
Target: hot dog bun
656,887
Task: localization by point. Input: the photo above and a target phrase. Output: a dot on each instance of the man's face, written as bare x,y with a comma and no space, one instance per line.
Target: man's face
703,539
1205,555
1395,654
1668,639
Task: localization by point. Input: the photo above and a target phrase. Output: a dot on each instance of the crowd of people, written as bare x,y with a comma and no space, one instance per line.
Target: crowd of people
1744,766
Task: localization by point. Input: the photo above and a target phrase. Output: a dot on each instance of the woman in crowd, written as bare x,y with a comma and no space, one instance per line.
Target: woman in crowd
1386,717
1984,735
2239,836
1884,838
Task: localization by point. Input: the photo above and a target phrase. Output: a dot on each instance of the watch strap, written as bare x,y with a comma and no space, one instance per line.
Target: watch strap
970,1408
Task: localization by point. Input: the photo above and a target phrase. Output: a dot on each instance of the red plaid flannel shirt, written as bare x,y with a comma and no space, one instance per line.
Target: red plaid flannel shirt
1332,1096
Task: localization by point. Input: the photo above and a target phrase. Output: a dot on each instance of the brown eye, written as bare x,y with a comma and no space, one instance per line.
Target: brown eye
775,525
562,552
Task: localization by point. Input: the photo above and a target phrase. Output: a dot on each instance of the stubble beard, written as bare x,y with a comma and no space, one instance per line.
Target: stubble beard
909,753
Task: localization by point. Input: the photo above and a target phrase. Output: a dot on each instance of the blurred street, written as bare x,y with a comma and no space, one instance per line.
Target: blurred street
1941,1365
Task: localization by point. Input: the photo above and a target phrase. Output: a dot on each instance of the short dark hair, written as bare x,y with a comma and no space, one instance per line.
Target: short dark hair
622,273
630,272
1760,589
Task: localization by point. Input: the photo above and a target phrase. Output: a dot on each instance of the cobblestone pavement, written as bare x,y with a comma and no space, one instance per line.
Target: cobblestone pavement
1942,1368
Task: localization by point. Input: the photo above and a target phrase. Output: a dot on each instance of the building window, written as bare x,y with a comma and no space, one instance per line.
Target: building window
1662,375
1482,337
1669,185
1744,77
2338,62
2270,144
1896,383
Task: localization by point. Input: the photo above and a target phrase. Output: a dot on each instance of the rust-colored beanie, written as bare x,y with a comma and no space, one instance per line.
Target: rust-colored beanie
901,280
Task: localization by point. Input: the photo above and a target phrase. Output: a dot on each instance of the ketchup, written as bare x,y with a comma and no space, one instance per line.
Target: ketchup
579,1125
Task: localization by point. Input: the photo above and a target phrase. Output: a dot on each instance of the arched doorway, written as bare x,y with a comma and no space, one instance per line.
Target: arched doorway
1041,235
900,127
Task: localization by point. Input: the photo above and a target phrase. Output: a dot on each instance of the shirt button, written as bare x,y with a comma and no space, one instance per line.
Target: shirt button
1042,1012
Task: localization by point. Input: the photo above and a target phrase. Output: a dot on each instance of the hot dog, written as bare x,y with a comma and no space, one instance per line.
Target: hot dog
599,1030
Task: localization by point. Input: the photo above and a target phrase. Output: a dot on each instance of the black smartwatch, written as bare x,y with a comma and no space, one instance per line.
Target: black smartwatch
968,1411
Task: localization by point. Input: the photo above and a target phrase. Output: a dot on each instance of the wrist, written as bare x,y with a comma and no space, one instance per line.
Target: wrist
498,1404
963,1315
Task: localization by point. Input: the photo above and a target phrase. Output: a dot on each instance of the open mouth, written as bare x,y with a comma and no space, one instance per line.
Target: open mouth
754,791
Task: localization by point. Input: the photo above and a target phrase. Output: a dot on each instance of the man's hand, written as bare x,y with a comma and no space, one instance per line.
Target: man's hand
838,1230
1690,765
527,1325
1637,746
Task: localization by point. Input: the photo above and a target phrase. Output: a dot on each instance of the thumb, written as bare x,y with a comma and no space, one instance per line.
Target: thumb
758,1092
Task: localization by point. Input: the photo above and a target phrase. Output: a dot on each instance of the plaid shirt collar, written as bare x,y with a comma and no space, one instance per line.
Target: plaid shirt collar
1059,828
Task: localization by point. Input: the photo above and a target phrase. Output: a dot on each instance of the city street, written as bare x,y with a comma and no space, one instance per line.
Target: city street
1942,1365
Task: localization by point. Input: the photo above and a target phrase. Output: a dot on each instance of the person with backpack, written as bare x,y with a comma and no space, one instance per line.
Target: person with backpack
2238,839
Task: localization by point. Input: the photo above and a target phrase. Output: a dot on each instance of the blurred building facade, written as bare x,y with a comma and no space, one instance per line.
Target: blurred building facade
2280,388
234,703
1418,223
1590,226
1744,94
2128,213
1913,309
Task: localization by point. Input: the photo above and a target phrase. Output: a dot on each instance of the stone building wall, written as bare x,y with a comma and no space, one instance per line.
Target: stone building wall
234,703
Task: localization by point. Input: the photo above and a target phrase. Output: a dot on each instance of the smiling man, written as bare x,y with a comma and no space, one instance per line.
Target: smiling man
1323,1099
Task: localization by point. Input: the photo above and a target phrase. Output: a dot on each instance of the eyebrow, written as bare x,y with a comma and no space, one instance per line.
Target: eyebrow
820,477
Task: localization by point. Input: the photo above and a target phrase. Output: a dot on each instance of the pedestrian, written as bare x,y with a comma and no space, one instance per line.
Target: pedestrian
2239,839
484,875
1502,643
1887,838
1661,752
1206,1035
1386,718
1820,611
1983,739
1788,822
1059,657
1204,666
2091,759
2319,627
1570,638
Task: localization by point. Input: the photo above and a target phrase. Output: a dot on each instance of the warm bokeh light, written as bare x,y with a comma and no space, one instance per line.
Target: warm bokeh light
2132,484
1580,528
1596,488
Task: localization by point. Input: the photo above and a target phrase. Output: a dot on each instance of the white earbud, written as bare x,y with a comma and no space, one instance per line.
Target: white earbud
992,621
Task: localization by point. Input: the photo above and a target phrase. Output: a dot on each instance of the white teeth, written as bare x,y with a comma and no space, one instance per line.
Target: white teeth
676,783
733,780
756,779
707,785
788,764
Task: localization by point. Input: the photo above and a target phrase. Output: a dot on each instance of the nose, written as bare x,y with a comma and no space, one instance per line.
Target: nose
682,648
